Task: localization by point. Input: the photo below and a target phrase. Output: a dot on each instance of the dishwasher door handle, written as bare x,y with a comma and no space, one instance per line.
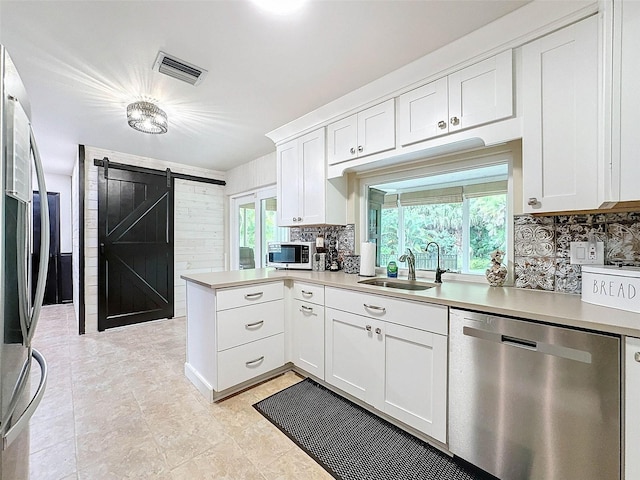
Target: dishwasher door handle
519,342
532,346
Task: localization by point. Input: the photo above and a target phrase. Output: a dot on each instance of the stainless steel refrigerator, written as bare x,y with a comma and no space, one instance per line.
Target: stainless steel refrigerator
18,308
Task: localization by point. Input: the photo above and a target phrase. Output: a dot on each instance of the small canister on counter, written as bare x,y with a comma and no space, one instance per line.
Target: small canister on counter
319,260
351,263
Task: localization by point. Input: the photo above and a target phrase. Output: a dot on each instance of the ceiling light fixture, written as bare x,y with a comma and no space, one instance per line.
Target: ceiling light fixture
147,117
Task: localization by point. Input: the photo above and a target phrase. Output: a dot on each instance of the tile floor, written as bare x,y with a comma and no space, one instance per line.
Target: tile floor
118,406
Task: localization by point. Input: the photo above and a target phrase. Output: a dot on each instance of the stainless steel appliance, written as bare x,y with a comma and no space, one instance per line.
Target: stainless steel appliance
20,314
533,401
290,255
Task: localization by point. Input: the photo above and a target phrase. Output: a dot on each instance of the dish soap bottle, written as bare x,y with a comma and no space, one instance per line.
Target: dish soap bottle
392,268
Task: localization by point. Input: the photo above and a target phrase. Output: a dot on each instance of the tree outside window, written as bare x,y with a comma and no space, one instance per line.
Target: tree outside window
468,221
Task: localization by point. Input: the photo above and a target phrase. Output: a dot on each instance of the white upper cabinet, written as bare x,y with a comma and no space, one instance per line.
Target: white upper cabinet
365,133
560,92
423,113
305,196
626,101
478,94
481,93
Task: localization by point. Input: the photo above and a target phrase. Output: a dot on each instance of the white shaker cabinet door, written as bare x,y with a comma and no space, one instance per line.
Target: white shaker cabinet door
626,135
481,93
632,409
423,113
308,334
288,187
560,120
301,185
351,360
313,199
415,379
342,141
376,128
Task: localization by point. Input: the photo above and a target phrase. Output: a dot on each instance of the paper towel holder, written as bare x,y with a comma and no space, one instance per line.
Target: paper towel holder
367,259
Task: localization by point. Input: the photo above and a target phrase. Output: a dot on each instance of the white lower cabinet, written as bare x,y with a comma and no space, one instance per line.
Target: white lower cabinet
415,378
351,359
632,408
307,319
233,335
250,360
398,369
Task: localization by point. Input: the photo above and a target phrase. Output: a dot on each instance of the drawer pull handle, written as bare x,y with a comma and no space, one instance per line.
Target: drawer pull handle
375,307
251,363
254,324
306,309
307,294
251,296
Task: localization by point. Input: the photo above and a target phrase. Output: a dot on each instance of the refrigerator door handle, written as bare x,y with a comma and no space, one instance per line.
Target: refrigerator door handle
10,435
44,243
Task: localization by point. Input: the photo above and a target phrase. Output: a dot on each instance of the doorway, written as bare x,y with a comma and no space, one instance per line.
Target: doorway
135,239
253,226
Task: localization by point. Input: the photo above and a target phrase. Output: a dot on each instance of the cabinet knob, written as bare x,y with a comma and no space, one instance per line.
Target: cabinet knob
378,331
299,219
532,201
360,148
352,150
368,327
442,124
294,219
637,356
454,120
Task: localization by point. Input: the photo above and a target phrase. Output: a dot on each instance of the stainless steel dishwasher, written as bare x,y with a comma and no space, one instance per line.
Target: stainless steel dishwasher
533,401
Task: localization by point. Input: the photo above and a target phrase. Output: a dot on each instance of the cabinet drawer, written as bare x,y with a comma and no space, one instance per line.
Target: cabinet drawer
250,360
423,316
246,324
309,292
248,295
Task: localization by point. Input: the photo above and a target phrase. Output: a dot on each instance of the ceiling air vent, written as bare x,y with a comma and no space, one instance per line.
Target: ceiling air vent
176,68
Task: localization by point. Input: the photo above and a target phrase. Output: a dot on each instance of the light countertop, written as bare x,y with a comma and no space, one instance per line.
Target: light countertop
556,308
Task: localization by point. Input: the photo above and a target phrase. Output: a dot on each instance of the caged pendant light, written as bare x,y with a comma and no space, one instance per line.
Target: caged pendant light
147,117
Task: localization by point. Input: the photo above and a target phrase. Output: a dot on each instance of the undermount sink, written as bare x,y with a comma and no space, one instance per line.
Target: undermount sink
397,283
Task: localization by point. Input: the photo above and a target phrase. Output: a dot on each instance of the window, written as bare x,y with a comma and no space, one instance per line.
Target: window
253,220
465,212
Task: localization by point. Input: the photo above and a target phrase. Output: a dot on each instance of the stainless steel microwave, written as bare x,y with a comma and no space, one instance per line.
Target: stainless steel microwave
290,255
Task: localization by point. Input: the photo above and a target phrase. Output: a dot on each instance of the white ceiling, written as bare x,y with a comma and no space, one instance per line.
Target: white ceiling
82,62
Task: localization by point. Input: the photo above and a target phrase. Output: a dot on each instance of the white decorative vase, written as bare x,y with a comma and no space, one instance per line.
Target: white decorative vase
497,273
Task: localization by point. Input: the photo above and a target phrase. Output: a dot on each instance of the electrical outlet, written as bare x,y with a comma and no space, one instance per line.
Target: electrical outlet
587,253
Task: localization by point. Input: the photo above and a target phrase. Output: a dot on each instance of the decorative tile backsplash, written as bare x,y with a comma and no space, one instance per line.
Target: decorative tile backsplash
340,237
541,247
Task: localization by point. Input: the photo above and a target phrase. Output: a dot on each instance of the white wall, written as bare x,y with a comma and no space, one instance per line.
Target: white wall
199,225
249,176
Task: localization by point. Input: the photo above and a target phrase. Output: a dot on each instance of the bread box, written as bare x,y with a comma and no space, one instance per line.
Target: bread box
612,286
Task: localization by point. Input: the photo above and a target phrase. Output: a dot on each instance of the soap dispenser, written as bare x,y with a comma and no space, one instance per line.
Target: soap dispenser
392,268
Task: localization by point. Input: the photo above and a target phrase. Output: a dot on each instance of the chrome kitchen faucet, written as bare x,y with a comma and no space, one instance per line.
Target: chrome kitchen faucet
411,263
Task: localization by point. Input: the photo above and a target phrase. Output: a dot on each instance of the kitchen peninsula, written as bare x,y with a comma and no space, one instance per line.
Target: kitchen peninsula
369,343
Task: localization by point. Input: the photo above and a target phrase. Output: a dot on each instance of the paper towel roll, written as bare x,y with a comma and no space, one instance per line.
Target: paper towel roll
368,259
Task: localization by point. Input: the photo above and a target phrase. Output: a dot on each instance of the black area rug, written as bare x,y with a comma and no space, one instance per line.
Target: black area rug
352,443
